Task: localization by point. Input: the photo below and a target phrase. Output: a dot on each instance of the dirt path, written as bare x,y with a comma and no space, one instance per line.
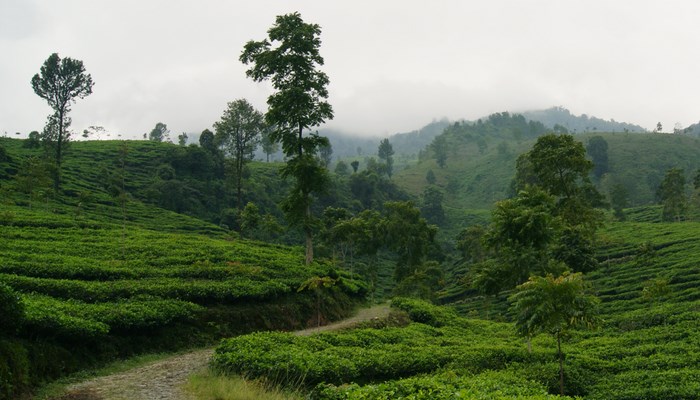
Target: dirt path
163,380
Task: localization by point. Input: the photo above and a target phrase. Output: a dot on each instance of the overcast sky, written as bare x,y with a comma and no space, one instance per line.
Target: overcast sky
393,65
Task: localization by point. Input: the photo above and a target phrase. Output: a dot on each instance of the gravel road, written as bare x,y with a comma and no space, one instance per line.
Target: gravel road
163,379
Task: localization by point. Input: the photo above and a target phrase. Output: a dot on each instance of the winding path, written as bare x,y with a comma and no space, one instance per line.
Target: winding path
163,379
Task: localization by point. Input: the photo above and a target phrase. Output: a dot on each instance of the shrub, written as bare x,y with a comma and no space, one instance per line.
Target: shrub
11,310
424,312
14,369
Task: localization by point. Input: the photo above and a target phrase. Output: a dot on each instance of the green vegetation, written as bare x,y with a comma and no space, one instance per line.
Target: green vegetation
476,179
290,60
148,246
60,82
208,386
86,277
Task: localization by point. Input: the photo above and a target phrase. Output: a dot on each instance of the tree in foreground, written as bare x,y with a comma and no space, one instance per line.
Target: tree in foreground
290,60
60,82
554,305
238,132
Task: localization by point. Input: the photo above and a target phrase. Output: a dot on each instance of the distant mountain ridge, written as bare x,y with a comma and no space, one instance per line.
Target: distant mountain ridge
411,143
578,123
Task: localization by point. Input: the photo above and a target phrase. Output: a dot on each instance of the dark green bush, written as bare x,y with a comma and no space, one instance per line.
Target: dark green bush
11,310
424,312
14,369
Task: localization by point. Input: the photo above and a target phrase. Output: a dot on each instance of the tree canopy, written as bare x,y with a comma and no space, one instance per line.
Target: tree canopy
238,133
548,304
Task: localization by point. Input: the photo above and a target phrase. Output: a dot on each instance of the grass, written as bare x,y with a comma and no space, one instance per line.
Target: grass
210,386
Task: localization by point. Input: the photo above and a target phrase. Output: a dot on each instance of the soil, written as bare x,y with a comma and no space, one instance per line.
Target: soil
164,379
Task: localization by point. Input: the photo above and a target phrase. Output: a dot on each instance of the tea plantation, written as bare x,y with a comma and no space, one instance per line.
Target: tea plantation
647,348
89,289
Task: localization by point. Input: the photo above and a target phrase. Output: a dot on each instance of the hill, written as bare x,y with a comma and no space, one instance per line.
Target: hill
646,347
480,163
575,124
410,144
97,273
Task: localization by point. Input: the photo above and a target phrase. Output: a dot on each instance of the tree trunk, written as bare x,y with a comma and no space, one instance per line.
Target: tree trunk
309,247
561,365
59,148
318,307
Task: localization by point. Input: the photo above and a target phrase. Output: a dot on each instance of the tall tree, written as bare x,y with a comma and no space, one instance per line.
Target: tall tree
207,141
671,192
432,205
597,149
60,82
558,164
520,237
440,147
409,235
269,146
554,305
182,139
290,60
386,153
325,153
619,200
238,133
355,165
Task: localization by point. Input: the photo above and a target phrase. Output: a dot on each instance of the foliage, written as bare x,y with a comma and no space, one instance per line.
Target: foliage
470,242
292,67
297,105
159,133
431,208
561,169
424,312
521,235
430,177
60,82
619,200
554,305
409,235
440,148
671,193
491,385
238,133
386,154
11,310
597,149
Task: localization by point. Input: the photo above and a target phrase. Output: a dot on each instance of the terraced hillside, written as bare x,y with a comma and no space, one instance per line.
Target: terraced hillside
481,157
97,276
648,346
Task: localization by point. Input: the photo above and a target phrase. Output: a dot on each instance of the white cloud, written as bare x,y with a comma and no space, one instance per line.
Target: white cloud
393,65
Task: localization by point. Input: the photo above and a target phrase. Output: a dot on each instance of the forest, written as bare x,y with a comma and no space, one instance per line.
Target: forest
532,256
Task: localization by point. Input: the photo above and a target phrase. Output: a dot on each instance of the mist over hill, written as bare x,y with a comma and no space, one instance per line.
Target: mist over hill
411,143
578,123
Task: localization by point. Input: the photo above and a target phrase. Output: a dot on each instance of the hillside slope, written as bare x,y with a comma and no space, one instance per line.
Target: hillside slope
480,163
98,276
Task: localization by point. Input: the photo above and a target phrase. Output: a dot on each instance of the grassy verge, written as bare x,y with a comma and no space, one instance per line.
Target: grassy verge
210,386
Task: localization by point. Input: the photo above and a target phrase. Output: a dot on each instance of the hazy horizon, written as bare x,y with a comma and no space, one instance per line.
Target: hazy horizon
393,66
